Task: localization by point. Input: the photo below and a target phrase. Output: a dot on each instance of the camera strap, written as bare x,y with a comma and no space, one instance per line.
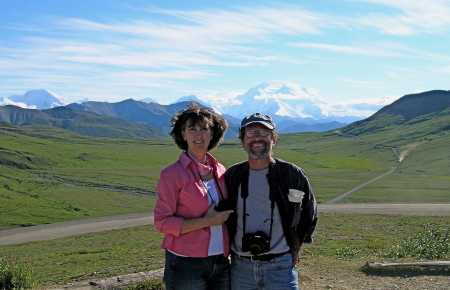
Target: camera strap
200,176
244,195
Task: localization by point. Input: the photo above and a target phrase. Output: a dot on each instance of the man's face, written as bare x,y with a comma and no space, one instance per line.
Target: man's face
257,146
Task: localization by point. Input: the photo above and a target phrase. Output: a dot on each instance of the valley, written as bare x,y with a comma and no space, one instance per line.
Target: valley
50,176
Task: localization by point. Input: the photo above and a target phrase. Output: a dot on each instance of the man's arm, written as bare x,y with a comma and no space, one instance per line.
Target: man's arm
309,216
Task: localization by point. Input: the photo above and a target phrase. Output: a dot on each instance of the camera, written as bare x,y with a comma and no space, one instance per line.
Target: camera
256,243
223,205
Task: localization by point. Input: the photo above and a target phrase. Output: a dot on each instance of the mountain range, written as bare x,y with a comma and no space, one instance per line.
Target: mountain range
152,120
294,108
150,114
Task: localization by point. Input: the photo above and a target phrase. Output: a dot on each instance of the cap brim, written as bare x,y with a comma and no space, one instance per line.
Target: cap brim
267,124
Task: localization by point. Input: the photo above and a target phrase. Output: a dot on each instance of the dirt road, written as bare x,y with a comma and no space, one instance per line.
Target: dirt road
79,227
72,228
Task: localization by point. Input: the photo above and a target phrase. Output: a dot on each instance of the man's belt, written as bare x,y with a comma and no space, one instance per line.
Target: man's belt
264,258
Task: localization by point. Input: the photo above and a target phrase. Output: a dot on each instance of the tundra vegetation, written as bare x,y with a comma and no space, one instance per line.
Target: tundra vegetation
50,175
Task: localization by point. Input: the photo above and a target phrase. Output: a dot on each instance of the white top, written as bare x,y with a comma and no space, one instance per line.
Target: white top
216,242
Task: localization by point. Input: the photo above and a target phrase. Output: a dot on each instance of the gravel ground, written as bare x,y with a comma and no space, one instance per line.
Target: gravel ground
340,280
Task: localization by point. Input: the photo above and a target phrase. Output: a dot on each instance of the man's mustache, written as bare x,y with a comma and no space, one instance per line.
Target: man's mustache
258,142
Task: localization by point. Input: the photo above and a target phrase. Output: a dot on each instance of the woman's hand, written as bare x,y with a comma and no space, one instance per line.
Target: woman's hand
216,218
210,219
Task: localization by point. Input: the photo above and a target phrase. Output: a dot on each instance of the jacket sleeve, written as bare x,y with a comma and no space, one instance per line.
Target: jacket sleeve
308,217
167,190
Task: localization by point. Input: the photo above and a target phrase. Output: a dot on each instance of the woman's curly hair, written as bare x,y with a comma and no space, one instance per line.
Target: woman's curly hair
194,115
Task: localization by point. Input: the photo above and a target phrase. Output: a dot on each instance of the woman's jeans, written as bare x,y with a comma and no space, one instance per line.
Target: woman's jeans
277,274
186,273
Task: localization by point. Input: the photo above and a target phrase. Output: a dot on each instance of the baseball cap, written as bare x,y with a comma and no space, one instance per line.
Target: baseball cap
266,120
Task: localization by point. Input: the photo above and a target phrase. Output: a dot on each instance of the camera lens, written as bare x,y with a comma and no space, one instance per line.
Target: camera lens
255,250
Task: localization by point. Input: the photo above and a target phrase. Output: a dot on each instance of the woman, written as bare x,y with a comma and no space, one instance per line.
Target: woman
196,239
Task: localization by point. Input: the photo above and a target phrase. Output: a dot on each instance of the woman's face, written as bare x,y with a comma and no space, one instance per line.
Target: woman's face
197,136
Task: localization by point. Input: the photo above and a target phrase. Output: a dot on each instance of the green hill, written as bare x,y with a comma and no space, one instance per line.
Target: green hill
418,126
418,116
415,126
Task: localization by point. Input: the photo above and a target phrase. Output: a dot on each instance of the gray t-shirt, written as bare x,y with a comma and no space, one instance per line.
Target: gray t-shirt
258,209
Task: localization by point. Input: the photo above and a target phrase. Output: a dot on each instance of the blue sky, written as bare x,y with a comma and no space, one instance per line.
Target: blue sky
108,50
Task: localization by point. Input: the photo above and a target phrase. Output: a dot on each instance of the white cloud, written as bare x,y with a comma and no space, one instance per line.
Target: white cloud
445,69
368,50
413,17
359,107
392,75
148,54
172,51
6,101
362,84
362,108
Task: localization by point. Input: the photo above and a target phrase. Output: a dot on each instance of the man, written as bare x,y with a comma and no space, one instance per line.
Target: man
266,228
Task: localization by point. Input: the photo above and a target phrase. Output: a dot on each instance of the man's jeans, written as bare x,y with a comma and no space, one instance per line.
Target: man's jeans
185,273
277,274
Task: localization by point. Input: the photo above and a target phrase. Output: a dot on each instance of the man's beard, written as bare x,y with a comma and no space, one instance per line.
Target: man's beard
261,155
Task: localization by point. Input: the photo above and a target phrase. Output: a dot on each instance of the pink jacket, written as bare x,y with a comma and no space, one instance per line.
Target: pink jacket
181,195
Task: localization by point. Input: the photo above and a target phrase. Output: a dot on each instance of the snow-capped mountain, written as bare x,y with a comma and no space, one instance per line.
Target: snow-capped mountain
285,103
37,99
292,101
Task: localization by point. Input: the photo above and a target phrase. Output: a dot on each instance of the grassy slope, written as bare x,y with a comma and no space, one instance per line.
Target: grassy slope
424,174
66,176
72,176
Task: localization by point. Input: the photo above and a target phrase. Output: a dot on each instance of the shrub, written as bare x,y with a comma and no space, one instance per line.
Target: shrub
431,242
13,275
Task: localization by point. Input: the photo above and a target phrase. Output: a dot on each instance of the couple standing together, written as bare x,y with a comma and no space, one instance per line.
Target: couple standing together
209,214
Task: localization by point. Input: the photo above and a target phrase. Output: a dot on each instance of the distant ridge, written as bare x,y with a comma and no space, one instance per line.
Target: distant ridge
151,114
415,105
430,108
84,123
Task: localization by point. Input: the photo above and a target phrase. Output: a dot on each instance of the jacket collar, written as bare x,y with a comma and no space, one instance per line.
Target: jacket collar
186,160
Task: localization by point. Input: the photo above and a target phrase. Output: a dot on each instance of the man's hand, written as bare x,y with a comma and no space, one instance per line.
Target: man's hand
296,256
